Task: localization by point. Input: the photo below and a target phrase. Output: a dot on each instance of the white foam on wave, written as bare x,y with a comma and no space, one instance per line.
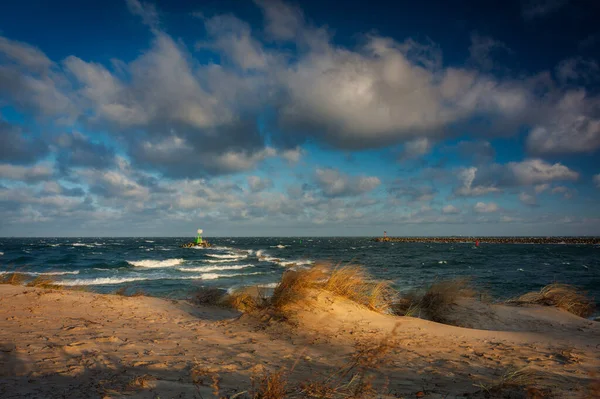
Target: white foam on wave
443,262
102,281
149,241
298,262
152,263
43,273
214,276
280,246
228,256
212,268
1,253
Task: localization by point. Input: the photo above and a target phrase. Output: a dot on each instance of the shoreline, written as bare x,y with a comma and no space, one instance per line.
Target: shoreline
59,343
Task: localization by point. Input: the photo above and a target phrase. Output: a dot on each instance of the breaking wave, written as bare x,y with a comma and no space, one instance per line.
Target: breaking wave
212,268
156,263
43,273
228,256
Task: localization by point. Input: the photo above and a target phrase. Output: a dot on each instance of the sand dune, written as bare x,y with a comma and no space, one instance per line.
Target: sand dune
77,344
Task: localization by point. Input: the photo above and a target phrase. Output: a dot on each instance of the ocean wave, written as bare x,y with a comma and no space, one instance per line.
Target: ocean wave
280,246
81,244
103,281
227,256
1,253
212,268
152,263
214,276
219,260
282,262
149,241
42,273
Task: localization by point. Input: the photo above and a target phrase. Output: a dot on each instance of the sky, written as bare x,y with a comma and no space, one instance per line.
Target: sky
283,118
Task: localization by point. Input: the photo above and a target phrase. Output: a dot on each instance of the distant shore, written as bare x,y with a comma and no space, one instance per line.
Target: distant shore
496,240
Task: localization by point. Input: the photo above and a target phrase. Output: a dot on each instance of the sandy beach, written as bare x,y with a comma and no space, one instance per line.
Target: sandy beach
69,344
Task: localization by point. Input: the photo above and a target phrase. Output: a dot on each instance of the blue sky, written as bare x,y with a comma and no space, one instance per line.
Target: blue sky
282,118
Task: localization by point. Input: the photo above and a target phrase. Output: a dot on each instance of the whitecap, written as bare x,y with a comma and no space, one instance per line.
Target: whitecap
228,256
280,246
1,253
214,276
212,268
156,263
102,281
42,273
520,270
442,262
220,260
149,241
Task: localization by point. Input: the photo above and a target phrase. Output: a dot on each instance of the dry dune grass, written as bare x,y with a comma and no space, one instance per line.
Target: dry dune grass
435,302
44,282
208,296
13,278
562,296
513,381
351,282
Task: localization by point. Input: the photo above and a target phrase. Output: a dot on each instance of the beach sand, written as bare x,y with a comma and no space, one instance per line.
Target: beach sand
71,344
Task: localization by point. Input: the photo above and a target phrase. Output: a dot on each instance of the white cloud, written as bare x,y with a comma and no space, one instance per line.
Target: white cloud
257,184
570,126
234,38
450,209
39,172
292,156
334,183
467,189
25,55
536,171
540,188
417,147
482,207
527,199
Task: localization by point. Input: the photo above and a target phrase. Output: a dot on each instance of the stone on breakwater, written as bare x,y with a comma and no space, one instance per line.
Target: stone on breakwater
496,240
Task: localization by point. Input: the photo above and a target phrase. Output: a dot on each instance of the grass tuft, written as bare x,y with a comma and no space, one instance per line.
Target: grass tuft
142,381
13,279
562,296
247,299
209,296
436,302
511,380
123,291
269,386
350,282
44,282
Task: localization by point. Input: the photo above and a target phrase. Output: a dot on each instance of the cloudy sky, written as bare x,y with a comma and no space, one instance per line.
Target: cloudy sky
303,118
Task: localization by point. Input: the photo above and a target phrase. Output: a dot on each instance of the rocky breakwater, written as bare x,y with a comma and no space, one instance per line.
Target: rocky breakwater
495,240
203,244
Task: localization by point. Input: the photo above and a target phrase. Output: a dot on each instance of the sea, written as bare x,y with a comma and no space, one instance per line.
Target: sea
159,267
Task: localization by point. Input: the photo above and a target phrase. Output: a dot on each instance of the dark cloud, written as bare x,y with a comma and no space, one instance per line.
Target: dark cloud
77,150
17,148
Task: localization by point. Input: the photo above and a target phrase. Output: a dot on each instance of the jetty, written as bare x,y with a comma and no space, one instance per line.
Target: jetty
493,240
